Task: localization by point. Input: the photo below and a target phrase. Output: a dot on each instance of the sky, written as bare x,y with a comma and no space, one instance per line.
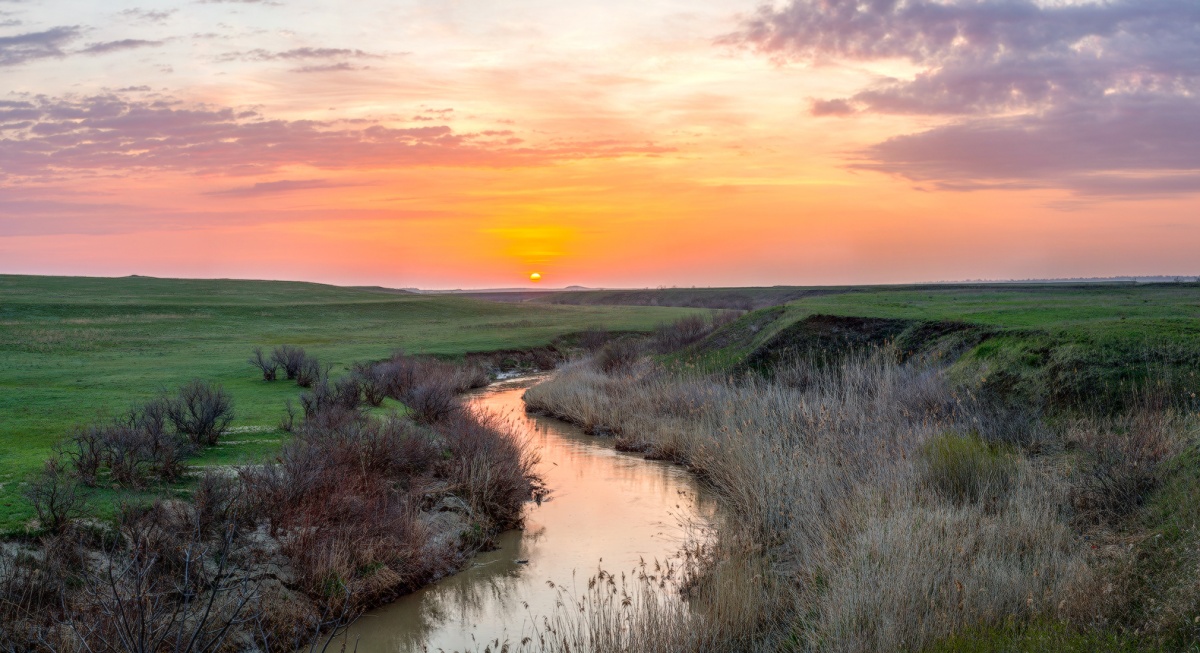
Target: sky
470,143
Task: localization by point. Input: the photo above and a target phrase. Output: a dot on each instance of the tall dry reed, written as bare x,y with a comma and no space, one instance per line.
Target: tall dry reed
833,537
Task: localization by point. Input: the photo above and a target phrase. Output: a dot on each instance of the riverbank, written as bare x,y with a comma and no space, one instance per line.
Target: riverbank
883,507
603,507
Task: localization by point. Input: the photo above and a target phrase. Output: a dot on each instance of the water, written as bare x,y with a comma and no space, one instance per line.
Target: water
606,508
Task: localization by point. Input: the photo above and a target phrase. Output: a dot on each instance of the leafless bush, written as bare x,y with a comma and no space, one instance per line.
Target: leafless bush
348,497
492,468
268,365
400,376
680,333
1122,461
127,455
290,358
724,318
372,381
311,372
594,338
56,496
618,356
134,448
287,423
342,397
201,411
433,400
219,500
86,451
134,601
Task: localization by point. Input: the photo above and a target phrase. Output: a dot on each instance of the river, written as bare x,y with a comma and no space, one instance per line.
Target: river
606,509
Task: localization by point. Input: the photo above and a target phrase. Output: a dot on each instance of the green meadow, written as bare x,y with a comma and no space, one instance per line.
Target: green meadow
1059,343
73,350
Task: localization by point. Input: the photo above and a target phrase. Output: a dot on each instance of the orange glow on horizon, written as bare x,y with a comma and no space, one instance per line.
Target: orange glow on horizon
608,145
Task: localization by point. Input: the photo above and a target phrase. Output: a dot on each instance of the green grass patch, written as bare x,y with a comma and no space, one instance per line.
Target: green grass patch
76,349
1060,345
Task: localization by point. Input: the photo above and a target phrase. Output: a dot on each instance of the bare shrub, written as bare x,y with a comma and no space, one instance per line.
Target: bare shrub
433,400
348,497
618,356
491,469
336,401
160,590
724,318
218,500
372,381
56,496
290,358
310,372
268,365
594,338
680,333
86,451
287,423
1122,461
165,450
201,411
127,455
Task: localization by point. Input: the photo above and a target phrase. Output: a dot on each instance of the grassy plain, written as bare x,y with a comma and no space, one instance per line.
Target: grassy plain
1058,343
73,349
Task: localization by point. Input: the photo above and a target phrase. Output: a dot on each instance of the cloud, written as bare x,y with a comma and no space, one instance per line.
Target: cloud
49,137
149,15
1096,83
298,54
276,187
116,46
831,108
329,68
19,49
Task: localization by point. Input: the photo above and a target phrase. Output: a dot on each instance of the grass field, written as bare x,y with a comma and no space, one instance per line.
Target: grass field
74,349
1070,343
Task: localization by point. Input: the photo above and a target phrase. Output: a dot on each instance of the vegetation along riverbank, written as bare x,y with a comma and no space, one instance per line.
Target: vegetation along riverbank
989,469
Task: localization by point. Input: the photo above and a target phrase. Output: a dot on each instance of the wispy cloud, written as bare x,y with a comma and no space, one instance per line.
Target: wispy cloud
19,49
45,136
341,66
149,15
276,187
116,46
298,54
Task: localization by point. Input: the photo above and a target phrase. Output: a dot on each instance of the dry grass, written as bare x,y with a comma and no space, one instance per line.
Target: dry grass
839,542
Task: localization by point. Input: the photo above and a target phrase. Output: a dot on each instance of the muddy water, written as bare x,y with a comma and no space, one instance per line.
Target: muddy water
606,508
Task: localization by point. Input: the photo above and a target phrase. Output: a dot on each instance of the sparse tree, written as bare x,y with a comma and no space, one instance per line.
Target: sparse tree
268,365
290,358
201,411
311,373
56,496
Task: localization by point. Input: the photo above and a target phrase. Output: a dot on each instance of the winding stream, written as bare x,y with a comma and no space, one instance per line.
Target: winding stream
606,508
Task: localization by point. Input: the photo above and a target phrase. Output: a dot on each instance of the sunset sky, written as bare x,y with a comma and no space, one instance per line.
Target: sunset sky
443,144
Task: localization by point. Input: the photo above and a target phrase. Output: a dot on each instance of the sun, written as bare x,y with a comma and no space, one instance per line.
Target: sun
535,277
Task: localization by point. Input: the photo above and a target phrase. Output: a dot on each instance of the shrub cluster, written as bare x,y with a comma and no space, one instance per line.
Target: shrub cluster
1122,461
688,330
296,364
347,491
148,443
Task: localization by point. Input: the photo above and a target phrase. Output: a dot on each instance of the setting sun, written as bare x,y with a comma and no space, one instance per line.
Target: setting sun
536,276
